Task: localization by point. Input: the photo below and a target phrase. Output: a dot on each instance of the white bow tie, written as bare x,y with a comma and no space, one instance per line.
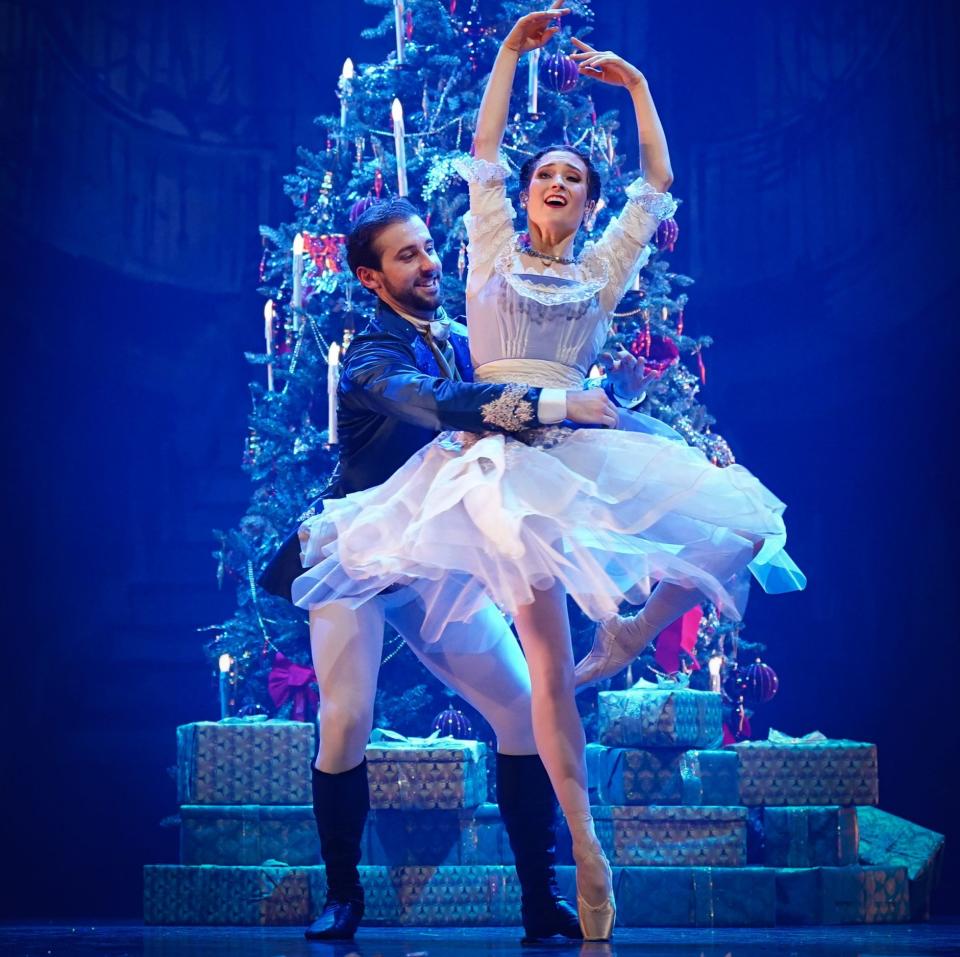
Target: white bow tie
440,329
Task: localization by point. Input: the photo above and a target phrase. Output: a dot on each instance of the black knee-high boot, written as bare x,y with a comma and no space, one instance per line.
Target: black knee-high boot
340,805
528,808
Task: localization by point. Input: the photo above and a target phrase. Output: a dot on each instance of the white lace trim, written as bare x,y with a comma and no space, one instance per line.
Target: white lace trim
587,277
660,205
482,171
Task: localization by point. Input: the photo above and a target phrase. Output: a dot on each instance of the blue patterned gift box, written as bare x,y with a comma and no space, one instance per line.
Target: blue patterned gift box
842,895
810,836
669,716
673,836
425,773
887,840
695,896
465,836
251,834
813,770
241,761
635,776
248,834
238,896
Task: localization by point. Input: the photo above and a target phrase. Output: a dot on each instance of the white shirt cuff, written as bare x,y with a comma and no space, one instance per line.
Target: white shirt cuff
629,403
552,407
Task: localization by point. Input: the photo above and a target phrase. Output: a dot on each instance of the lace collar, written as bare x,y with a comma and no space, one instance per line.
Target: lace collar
560,284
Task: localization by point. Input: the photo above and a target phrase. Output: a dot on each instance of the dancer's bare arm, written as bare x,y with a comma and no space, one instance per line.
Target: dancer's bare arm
608,67
529,33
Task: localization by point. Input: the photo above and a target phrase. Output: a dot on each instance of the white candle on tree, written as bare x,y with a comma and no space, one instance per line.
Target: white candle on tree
296,299
268,336
225,664
345,88
398,28
533,80
333,377
396,111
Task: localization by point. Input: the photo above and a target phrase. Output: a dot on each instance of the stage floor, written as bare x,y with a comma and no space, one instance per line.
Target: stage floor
935,939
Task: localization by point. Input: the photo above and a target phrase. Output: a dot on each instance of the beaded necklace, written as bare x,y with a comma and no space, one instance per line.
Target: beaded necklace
523,246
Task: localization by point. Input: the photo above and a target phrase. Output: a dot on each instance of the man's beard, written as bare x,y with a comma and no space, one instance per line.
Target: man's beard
419,298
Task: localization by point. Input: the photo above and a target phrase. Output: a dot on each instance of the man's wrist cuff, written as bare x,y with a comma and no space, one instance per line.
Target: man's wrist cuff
552,406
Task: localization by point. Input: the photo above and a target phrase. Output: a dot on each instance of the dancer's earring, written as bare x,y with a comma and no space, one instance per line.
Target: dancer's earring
523,200
589,215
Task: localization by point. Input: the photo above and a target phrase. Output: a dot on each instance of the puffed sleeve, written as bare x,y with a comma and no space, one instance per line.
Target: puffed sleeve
624,245
489,222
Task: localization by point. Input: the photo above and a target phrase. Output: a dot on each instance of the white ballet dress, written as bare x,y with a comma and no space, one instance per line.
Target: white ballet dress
607,513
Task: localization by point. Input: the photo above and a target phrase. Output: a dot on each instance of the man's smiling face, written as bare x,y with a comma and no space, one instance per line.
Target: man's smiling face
409,275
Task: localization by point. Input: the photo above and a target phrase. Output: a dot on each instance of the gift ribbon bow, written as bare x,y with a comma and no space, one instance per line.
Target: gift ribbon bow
663,683
385,738
778,737
289,680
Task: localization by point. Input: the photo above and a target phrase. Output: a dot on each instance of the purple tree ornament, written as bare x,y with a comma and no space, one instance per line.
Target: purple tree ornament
559,72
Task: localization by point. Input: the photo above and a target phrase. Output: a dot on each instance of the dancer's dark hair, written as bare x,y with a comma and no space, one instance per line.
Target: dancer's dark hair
594,183
361,243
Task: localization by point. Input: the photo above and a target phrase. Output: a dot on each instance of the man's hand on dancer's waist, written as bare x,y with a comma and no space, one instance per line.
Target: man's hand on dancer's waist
591,407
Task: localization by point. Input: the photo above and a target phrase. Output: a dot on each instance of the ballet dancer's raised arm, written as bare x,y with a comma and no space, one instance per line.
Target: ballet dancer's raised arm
607,67
529,33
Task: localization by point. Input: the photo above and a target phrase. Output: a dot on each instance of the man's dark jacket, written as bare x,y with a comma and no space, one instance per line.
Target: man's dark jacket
392,400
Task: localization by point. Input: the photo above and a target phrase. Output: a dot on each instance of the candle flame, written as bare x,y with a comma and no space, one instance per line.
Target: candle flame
396,111
226,663
298,244
333,356
268,310
347,73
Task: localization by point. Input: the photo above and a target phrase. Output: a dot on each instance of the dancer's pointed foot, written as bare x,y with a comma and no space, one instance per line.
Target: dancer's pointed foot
596,907
617,642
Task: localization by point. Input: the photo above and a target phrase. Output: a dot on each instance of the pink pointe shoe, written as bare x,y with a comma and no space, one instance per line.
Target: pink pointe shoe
616,643
597,920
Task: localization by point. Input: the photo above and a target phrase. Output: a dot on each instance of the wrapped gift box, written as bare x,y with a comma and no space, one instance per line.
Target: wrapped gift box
466,836
248,834
665,717
241,896
809,836
426,774
842,895
673,836
433,896
695,896
633,776
244,762
889,841
822,772
251,834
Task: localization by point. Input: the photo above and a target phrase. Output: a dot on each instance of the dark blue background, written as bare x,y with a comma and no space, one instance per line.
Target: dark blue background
815,146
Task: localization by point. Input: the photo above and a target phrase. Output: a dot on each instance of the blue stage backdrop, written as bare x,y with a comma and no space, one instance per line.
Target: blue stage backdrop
814,145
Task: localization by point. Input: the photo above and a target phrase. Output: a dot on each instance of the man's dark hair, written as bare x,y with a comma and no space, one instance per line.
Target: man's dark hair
594,183
361,242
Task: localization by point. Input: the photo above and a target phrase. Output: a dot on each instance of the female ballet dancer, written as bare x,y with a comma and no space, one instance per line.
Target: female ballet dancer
534,515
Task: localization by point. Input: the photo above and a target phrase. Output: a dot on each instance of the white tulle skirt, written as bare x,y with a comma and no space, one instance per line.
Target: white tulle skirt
606,513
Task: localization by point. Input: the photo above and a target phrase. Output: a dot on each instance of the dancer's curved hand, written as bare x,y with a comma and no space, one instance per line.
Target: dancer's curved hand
534,30
591,407
605,65
627,373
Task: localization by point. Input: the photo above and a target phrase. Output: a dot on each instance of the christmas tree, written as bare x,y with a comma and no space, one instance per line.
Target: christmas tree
401,124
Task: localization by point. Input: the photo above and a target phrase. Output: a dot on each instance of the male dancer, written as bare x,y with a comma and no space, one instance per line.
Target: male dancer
406,377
